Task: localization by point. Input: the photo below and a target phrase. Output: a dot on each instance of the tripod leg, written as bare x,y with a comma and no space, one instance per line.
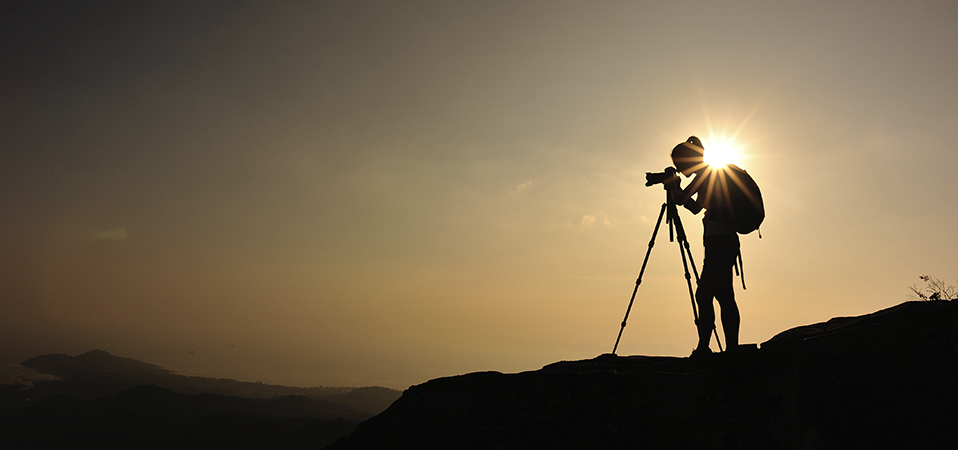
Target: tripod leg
695,272
688,277
683,250
692,262
638,280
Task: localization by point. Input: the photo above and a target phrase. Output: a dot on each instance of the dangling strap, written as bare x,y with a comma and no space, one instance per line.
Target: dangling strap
742,270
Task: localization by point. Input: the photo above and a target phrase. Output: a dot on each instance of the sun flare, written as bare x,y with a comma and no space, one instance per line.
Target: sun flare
719,153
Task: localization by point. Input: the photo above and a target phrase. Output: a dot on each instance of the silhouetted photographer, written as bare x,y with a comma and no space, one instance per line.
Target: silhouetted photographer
733,204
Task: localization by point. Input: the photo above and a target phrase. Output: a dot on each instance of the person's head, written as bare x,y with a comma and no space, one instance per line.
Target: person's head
689,156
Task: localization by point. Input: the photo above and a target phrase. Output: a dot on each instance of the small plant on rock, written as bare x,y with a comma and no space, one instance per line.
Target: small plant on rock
935,289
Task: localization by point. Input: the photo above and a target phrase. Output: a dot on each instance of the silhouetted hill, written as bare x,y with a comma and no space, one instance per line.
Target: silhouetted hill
105,401
98,374
156,418
886,380
92,363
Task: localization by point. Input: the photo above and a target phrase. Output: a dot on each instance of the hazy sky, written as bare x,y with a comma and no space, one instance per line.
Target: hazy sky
381,193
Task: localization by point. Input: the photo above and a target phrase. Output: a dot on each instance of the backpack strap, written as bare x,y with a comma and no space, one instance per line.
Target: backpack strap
740,268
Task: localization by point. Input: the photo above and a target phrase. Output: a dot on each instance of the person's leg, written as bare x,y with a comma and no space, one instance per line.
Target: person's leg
703,298
722,285
725,295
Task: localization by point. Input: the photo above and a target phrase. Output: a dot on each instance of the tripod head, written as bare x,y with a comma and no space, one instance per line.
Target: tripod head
669,180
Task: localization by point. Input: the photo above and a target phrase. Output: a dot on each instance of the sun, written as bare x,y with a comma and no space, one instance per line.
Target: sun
724,147
721,152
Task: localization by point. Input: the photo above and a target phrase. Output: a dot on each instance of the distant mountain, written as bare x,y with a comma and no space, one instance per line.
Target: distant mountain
882,380
98,374
92,363
105,401
156,418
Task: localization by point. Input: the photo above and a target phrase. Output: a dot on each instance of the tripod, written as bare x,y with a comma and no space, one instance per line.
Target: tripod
675,230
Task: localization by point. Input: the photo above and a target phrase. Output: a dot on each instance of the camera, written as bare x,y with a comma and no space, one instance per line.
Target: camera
667,176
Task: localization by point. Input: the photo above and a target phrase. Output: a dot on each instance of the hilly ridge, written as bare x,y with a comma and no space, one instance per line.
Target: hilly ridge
885,379
92,362
107,401
157,418
97,374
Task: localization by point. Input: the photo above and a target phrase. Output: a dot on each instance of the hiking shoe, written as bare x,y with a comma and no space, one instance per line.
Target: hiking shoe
701,353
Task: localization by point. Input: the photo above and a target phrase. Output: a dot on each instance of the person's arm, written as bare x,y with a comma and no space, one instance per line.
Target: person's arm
684,196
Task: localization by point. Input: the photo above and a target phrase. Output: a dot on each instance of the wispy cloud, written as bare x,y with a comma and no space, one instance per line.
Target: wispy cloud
523,186
590,219
117,234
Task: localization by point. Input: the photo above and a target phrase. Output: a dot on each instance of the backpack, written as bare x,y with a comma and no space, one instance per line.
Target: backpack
732,196
738,201
747,209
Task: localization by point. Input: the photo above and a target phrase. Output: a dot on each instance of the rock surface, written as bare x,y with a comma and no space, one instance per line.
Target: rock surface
886,379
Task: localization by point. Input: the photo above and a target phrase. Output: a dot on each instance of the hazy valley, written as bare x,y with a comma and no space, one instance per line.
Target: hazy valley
100,399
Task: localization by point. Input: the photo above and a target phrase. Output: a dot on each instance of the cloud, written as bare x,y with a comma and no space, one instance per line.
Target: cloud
589,219
117,234
523,186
